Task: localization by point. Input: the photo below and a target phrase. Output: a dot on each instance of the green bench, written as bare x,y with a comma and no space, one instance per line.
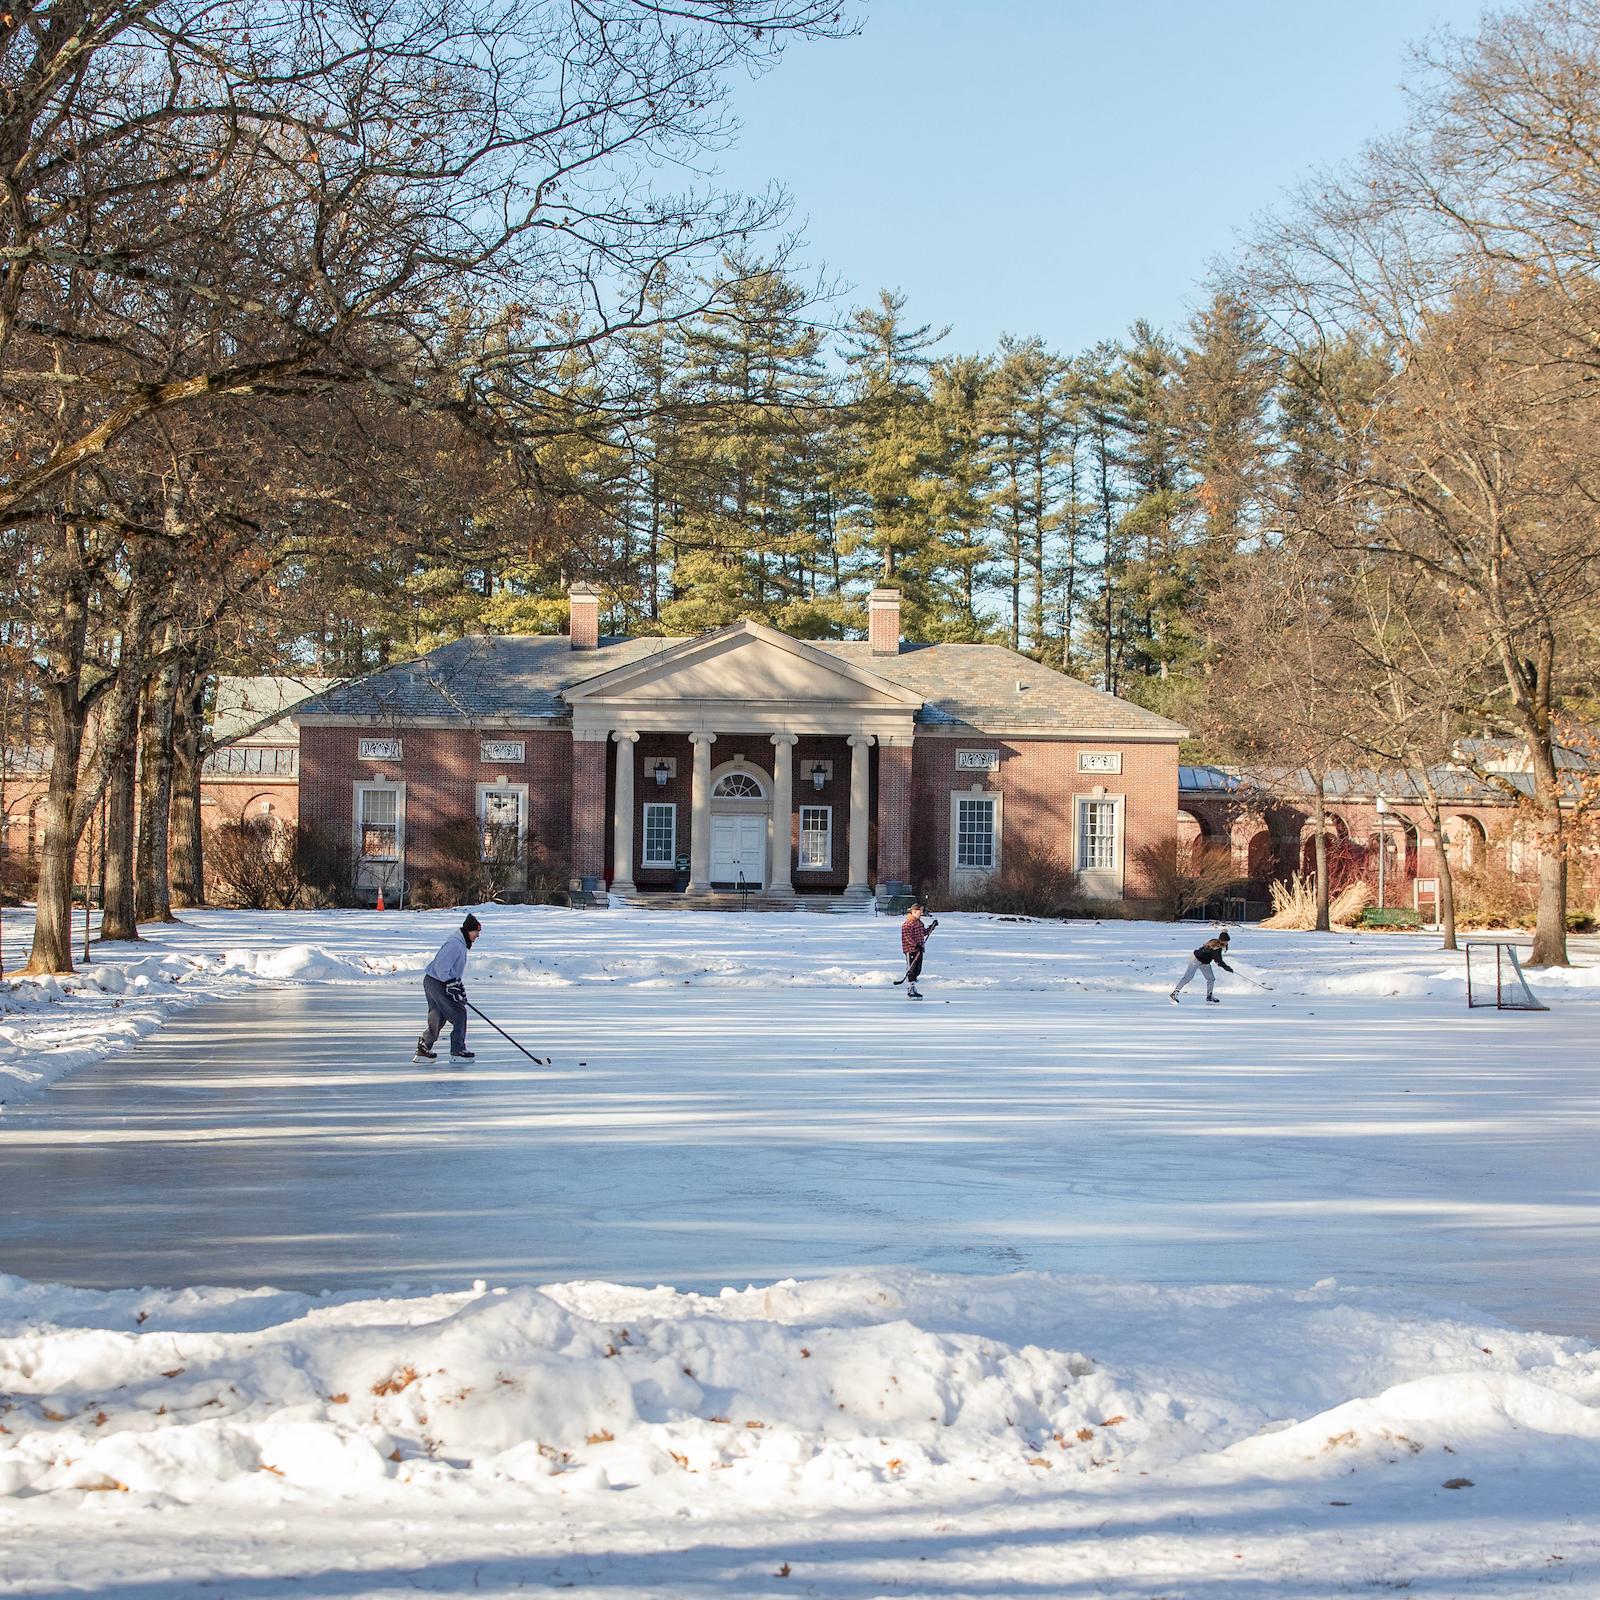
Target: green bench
1390,917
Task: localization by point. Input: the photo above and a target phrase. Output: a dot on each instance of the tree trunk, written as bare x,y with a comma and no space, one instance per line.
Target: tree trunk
1447,886
152,889
58,847
1550,931
52,927
116,916
1320,816
188,863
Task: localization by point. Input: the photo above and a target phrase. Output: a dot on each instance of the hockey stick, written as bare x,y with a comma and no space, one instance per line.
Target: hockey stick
1256,981
538,1061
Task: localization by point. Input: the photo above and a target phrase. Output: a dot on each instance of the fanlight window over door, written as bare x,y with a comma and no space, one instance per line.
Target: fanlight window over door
738,786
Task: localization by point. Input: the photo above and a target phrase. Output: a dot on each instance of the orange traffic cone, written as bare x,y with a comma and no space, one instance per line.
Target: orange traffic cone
380,897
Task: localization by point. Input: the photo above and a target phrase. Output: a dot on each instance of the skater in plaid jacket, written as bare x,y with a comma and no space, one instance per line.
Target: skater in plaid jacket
913,941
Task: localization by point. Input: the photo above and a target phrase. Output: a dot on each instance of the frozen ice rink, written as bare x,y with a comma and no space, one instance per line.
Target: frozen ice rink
738,1100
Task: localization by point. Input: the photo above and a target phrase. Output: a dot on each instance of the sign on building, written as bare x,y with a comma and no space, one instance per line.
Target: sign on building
1099,761
507,750
977,760
379,750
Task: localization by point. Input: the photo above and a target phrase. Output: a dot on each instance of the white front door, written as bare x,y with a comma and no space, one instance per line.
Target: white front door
739,847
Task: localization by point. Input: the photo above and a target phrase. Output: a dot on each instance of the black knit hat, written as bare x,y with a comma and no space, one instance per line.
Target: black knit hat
471,925
1223,936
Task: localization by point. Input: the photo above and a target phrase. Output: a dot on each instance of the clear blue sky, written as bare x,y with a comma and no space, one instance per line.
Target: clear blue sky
1062,167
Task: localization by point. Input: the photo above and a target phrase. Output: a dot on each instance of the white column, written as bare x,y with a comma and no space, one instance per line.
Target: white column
782,883
622,821
700,815
860,744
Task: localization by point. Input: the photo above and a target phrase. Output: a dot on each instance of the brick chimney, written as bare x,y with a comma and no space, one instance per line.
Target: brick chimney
883,621
584,627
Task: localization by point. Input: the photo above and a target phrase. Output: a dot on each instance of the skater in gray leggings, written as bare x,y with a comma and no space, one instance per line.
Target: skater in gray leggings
1211,950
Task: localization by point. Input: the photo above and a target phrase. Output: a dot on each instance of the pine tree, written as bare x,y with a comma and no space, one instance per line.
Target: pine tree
1158,581
755,377
1225,380
1031,438
892,456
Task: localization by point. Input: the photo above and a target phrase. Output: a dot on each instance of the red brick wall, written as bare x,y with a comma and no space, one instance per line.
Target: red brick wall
441,771
227,802
894,814
810,748
1038,778
591,844
653,747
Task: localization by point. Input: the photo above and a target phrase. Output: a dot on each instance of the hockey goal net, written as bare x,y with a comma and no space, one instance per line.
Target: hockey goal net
1495,977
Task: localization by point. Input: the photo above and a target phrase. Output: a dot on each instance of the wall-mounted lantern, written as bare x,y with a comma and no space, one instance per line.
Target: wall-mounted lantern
662,772
819,775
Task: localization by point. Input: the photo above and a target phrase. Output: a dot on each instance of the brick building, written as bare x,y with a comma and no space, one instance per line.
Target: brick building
252,770
743,758
1266,820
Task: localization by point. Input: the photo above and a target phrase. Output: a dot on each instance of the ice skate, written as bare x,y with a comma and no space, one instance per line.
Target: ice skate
424,1053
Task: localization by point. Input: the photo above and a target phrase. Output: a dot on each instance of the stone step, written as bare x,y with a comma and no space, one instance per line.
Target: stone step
814,905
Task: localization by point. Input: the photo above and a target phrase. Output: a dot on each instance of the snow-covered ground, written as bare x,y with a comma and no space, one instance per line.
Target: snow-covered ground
736,1090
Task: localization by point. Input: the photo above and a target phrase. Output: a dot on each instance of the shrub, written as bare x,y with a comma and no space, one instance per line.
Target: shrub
325,868
1033,881
1180,876
1488,895
461,875
19,878
1294,904
251,864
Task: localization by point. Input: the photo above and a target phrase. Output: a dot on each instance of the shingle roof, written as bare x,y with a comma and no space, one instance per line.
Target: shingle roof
1452,784
485,679
257,708
990,687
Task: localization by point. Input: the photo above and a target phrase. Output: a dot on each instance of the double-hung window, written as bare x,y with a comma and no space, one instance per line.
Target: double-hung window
975,839
379,821
1097,842
816,839
660,834
502,825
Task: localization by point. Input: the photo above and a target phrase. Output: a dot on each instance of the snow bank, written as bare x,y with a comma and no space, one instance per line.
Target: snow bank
840,1390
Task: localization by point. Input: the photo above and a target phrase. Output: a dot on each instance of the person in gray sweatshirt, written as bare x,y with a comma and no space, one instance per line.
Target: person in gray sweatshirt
444,985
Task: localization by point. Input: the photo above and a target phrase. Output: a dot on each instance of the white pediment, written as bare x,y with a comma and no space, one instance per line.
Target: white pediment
746,662
747,672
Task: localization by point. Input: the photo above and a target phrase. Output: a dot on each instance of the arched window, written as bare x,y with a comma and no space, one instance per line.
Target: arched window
737,786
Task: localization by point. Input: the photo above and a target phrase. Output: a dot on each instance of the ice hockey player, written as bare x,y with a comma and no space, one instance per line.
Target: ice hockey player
913,941
1212,950
447,993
